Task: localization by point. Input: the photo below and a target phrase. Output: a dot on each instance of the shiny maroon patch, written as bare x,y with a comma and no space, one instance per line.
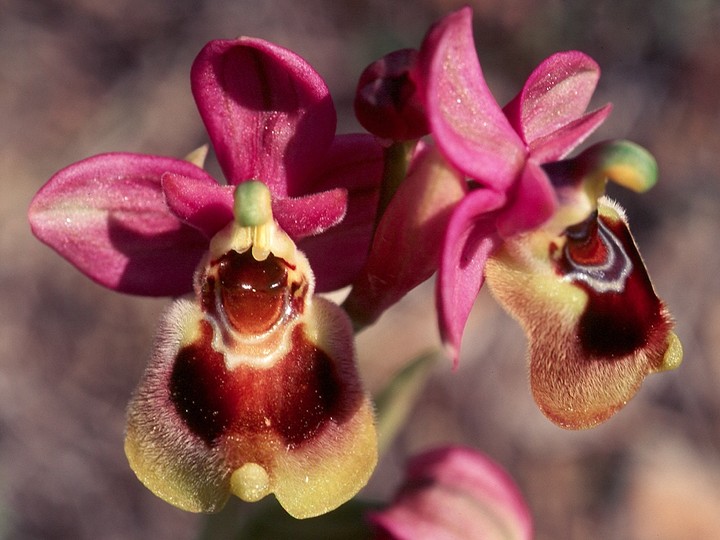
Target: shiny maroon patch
293,398
623,313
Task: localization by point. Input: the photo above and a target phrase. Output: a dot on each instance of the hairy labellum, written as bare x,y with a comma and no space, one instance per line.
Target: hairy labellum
595,325
253,388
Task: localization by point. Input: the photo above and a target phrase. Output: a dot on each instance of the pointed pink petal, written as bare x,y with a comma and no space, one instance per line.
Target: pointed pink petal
469,239
107,216
354,162
454,493
199,201
406,245
556,93
269,114
466,121
312,214
533,203
560,143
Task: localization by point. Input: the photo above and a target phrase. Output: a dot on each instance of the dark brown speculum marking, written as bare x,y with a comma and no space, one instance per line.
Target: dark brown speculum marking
292,399
623,313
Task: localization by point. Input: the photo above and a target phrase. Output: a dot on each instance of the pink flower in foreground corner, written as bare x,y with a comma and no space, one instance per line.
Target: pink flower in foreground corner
252,388
556,254
455,493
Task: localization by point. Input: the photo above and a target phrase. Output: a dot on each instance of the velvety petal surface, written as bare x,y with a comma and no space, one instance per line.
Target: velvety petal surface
355,163
470,237
269,114
107,215
199,201
312,214
555,94
455,493
465,120
301,428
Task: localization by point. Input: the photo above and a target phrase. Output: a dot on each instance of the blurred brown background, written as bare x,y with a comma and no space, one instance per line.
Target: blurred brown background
79,77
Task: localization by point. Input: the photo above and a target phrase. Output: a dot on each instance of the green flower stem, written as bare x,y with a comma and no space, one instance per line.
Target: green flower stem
397,159
395,402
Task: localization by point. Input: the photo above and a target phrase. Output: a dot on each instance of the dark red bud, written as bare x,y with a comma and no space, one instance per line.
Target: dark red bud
389,100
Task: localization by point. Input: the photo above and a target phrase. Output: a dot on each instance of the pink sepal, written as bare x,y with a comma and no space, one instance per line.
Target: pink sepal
269,115
107,215
469,240
465,120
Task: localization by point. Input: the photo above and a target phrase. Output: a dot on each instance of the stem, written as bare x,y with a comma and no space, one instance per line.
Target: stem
397,159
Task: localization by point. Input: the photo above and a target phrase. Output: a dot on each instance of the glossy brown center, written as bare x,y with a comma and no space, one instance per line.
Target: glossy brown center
254,293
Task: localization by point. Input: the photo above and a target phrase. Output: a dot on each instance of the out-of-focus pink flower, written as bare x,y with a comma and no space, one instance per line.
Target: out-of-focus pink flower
455,493
140,224
500,151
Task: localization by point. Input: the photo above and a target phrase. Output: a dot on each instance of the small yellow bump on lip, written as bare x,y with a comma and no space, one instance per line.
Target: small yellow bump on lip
250,482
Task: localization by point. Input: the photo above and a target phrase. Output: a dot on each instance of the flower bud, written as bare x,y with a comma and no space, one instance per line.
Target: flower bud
388,100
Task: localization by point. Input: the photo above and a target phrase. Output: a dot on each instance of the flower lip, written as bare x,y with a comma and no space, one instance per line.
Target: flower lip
213,399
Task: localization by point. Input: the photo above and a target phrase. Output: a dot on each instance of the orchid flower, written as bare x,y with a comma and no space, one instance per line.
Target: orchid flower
252,388
453,493
558,257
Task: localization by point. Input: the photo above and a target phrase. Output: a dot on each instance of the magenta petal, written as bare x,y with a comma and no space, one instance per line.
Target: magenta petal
560,143
354,162
466,121
269,114
469,240
199,201
532,203
557,92
107,216
312,214
336,256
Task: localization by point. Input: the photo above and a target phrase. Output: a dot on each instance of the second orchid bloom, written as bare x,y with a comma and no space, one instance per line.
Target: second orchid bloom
502,202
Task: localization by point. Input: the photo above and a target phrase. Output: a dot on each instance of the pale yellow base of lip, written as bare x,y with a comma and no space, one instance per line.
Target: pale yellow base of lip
313,482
